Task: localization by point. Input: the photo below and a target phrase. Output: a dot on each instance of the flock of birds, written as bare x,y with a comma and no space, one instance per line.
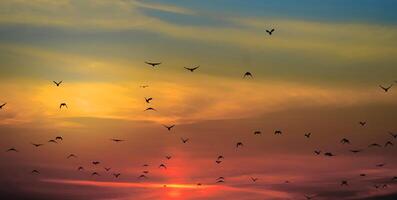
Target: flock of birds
220,158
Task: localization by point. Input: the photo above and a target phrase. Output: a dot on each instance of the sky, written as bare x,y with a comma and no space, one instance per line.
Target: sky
320,72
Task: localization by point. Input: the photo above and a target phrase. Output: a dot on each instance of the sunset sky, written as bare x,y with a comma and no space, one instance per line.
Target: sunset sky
319,72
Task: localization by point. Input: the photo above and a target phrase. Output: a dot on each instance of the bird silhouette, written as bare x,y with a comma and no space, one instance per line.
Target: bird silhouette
153,64
345,141
220,178
37,145
386,89
329,154
218,161
309,197
257,132
376,186
162,166
80,168
220,157
344,183
116,175
184,140
239,144
35,172
52,141
107,168
192,69
381,165
71,156
145,172
63,105
199,184
150,108
12,149
363,175
393,135
169,127
145,165
247,74
384,186
168,157
220,181
356,150
142,176
317,152
362,123
58,138
96,162
307,135
374,145
2,105
389,143
95,174
117,140
57,83
270,32
278,132
394,178
148,99
144,86
254,179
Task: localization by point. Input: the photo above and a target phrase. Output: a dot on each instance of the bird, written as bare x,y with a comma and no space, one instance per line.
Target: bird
384,186
220,181
148,99
169,127
168,157
192,69
247,74
386,89
309,197
107,169
142,176
35,172
2,105
393,135
162,166
389,143
278,132
317,152
80,168
344,183
37,145
220,157
381,165
145,165
254,179
96,162
12,149
117,140
218,161
57,83
52,141
257,132
329,154
116,175
71,156
377,186
307,135
394,178
363,175
63,105
144,86
270,32
95,174
58,138
150,108
356,150
239,144
199,184
145,172
153,64
220,178
362,123
345,141
184,140
374,145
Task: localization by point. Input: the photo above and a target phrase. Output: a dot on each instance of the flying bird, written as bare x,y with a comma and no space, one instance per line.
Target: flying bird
257,132
254,179
148,99
362,123
117,140
145,172
345,141
153,64
393,135
389,143
144,86
168,157
220,181
270,32
71,156
317,152
80,168
169,127
381,165
386,89
184,140
96,162
218,161
329,154
63,105
107,169
221,157
374,145
220,178
162,166
12,149
95,174
344,183
52,141
37,145
363,175
278,132
2,105
307,135
309,197
356,150
58,138
192,69
142,176
116,175
150,108
35,172
247,74
394,178
239,144
57,83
